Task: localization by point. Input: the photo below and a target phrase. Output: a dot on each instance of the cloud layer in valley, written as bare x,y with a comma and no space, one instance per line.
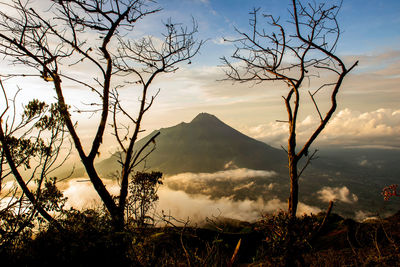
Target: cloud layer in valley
182,205
237,183
235,174
198,207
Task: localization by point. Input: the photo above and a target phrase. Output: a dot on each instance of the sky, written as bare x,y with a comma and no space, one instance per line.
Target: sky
368,103
368,112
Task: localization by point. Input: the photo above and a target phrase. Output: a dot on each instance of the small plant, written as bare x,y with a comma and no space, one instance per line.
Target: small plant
287,238
390,191
16,225
143,189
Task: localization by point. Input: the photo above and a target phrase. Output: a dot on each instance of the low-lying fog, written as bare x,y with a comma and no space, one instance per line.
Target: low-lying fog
241,194
182,205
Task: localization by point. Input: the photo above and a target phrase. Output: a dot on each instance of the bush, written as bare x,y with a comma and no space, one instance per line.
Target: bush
286,238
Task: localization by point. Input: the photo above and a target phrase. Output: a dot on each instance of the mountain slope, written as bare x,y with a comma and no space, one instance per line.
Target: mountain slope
206,144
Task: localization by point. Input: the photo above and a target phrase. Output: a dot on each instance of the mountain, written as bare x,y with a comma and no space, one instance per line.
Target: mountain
206,144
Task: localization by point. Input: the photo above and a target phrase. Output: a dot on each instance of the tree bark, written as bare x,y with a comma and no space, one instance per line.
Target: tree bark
294,186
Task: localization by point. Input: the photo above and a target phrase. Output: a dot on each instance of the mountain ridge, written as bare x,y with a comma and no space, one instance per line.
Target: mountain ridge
205,144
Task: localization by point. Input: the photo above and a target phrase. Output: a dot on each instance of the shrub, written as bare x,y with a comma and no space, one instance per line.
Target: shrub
286,238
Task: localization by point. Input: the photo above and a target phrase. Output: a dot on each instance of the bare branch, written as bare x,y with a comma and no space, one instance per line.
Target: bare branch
291,56
315,104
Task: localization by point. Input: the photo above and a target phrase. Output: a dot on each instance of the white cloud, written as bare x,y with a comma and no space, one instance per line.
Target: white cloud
378,124
11,187
235,174
363,216
343,194
223,40
81,193
219,41
182,206
347,128
245,186
205,183
198,207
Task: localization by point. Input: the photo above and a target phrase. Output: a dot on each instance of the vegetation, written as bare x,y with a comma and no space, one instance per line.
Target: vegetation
87,238
142,197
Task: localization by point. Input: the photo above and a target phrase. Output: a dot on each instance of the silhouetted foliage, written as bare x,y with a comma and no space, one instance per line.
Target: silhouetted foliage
142,197
87,238
29,144
287,237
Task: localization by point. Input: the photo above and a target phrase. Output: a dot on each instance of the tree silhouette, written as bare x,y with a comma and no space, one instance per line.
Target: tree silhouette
299,52
29,144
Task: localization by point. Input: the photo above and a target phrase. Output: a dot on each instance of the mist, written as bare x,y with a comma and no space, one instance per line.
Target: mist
181,205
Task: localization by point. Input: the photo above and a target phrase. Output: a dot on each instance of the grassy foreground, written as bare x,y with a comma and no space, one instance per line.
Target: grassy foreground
87,239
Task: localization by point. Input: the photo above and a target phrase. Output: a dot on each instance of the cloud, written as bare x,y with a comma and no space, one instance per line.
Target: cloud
376,62
226,40
347,128
245,186
182,205
221,183
10,187
207,84
382,126
198,207
81,193
343,194
235,174
219,41
363,216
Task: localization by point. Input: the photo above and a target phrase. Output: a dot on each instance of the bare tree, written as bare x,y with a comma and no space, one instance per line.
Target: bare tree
95,34
299,52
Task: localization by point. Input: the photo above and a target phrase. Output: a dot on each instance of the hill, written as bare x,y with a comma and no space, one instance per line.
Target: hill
205,144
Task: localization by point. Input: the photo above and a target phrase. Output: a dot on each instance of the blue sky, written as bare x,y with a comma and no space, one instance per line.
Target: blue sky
368,113
368,26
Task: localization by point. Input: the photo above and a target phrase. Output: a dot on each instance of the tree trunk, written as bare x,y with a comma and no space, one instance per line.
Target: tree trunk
294,186
118,221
